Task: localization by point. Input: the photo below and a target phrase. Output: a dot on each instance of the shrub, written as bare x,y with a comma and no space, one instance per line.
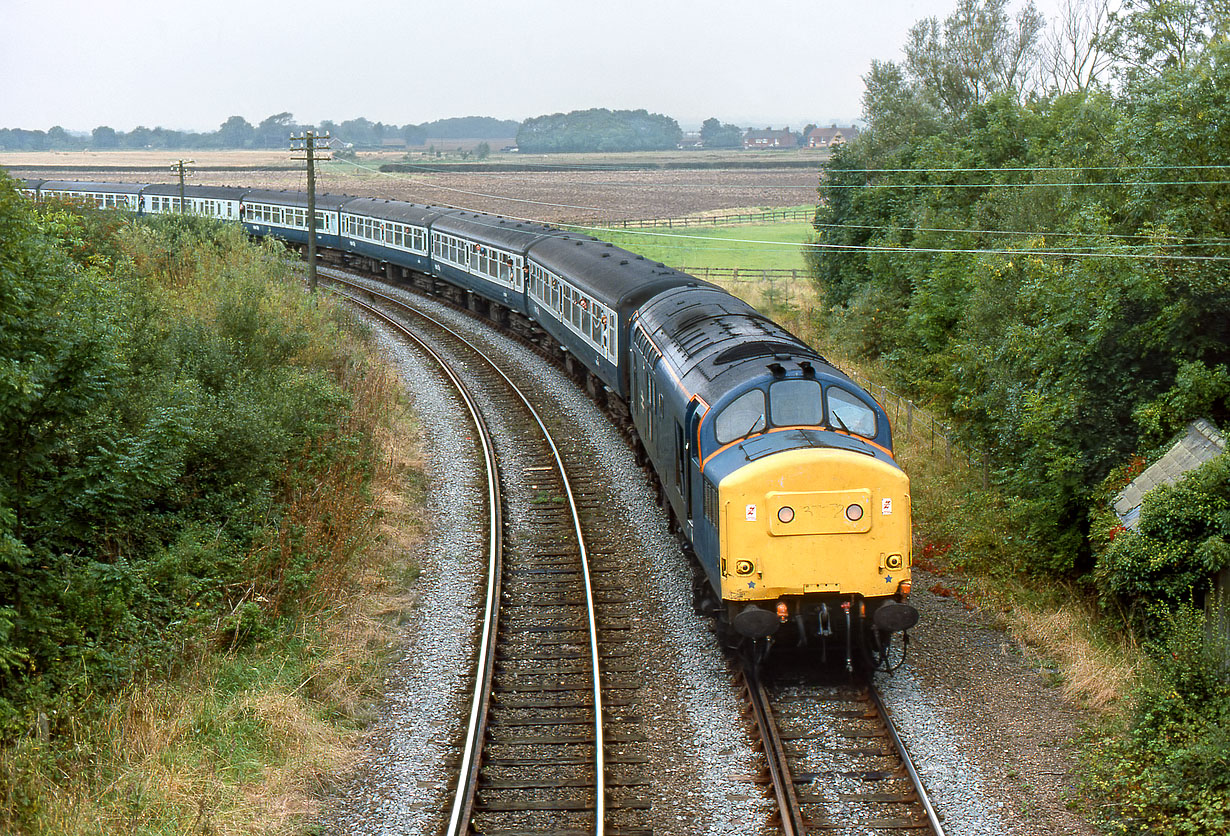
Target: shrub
1181,541
166,392
1171,772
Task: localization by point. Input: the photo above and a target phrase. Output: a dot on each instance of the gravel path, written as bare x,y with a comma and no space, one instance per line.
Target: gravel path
991,739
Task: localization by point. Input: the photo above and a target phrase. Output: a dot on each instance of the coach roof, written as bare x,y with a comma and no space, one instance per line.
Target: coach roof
324,202
398,211
607,272
509,234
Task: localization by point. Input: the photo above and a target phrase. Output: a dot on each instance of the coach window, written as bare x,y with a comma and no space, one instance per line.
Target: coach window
848,412
744,416
795,403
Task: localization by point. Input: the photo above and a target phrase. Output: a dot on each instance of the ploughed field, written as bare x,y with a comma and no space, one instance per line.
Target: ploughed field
587,191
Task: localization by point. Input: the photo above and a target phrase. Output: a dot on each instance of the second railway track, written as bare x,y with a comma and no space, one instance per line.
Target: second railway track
551,734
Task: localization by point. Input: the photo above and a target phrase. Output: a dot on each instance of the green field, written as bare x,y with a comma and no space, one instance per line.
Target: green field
755,247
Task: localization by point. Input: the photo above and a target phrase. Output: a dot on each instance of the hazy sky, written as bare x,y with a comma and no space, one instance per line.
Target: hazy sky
187,64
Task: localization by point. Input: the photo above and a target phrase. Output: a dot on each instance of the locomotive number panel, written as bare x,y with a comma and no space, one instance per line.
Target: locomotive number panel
819,512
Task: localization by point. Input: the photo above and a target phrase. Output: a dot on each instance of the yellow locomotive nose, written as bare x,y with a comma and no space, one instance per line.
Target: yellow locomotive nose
814,520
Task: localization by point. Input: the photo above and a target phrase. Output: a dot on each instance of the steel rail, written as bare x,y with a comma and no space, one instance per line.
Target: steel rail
463,798
599,744
919,789
775,753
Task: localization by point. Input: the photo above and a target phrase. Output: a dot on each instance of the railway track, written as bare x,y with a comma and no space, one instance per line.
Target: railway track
533,757
836,762
538,756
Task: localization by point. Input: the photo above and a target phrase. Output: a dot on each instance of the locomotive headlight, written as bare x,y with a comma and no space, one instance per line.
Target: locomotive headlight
854,513
785,514
744,567
894,561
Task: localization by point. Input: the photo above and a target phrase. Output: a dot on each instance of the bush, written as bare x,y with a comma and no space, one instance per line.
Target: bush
1182,540
166,392
1171,772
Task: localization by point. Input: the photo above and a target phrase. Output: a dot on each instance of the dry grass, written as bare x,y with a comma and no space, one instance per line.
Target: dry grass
1093,672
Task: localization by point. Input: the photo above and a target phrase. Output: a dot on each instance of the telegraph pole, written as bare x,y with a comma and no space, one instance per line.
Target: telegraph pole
313,146
181,166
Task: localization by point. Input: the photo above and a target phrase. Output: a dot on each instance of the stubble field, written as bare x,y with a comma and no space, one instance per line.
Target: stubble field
586,191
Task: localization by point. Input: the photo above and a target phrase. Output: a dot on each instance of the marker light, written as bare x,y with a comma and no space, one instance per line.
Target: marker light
894,561
785,514
854,513
744,567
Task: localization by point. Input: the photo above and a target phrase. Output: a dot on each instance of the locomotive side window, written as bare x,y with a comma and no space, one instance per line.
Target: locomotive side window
744,415
850,413
795,403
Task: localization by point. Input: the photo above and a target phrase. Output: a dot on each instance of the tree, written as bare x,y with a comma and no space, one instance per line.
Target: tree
978,52
1149,37
105,137
1074,55
714,134
599,130
58,139
275,131
483,151
894,107
236,132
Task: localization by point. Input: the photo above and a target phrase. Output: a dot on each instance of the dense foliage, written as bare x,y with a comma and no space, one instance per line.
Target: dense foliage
272,132
1037,265
716,134
1181,541
599,130
166,394
1170,772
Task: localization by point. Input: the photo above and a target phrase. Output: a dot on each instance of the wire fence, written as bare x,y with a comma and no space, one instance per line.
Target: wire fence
745,274
918,424
723,219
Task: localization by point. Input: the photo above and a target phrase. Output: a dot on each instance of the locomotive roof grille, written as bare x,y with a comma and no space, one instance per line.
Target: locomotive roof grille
748,350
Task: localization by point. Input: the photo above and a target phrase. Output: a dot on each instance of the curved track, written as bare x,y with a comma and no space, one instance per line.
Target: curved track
533,757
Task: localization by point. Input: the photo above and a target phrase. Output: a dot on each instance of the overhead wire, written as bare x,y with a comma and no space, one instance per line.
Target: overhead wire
1084,252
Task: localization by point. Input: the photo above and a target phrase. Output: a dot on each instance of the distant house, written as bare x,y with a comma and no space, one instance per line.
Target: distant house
691,139
396,143
769,139
829,137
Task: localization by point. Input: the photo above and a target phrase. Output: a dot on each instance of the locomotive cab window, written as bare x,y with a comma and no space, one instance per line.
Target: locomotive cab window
848,412
795,403
743,416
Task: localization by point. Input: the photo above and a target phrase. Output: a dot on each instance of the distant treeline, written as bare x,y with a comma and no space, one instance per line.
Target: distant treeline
237,133
597,129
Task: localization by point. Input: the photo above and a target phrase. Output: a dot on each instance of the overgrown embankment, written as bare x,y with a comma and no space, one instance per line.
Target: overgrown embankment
192,448
1049,269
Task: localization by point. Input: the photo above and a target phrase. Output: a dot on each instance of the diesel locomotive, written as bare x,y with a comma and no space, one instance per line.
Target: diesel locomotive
776,468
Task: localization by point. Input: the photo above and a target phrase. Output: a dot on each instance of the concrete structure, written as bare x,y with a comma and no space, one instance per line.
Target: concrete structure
1198,445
